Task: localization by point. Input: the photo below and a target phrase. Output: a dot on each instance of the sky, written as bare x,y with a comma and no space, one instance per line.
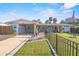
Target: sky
34,11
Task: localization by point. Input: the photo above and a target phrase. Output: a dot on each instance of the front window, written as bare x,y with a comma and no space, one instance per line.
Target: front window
28,27
14,26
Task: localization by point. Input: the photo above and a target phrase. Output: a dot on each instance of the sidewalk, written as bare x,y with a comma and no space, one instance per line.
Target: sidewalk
8,45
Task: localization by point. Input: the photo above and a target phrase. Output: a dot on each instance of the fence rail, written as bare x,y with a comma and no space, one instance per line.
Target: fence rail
63,46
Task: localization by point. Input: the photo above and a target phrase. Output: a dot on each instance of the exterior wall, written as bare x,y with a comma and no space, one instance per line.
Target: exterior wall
66,28
42,28
53,28
46,27
15,27
50,29
23,29
26,29
31,28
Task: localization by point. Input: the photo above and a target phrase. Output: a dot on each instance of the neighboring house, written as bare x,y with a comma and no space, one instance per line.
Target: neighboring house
5,29
23,26
55,27
69,20
67,27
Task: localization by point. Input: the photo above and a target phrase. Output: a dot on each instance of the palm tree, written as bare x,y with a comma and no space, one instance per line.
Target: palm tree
50,20
54,20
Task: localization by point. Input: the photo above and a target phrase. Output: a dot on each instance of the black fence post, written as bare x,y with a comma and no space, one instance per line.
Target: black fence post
73,49
70,48
76,49
56,44
65,47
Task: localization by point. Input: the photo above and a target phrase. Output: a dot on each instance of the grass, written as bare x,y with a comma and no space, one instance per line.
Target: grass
35,48
63,48
69,36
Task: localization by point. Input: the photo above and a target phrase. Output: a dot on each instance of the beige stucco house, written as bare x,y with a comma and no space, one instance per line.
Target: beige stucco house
23,26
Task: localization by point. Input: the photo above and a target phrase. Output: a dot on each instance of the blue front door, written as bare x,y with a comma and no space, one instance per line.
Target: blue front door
49,29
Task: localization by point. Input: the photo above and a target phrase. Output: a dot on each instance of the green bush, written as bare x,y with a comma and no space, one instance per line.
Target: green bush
13,31
77,29
66,32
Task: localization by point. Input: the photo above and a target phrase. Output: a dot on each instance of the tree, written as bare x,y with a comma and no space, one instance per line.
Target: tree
47,22
54,20
38,20
77,21
77,30
62,22
34,20
50,20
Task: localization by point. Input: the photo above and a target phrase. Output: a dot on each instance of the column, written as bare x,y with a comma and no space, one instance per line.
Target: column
17,28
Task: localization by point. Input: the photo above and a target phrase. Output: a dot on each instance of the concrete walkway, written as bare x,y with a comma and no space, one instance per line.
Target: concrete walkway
40,35
8,45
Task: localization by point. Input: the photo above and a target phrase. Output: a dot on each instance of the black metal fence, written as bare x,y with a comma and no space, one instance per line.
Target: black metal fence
63,46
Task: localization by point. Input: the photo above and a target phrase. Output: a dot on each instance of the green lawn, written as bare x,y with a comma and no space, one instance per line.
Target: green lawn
35,48
63,48
69,36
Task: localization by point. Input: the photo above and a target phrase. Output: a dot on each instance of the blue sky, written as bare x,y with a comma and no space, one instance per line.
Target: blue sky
42,11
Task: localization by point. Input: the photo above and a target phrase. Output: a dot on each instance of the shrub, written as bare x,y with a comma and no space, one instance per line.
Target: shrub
66,31
77,29
13,31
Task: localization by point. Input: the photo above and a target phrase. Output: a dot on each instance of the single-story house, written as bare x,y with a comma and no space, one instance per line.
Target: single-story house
23,26
5,29
55,27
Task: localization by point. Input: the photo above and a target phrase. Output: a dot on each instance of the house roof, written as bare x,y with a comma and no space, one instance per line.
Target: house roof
58,24
25,21
21,21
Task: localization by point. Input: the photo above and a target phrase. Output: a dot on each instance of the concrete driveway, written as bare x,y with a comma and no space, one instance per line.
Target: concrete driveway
8,45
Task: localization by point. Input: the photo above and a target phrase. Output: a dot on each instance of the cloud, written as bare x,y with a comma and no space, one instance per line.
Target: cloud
69,5
11,16
37,9
8,16
46,13
67,11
